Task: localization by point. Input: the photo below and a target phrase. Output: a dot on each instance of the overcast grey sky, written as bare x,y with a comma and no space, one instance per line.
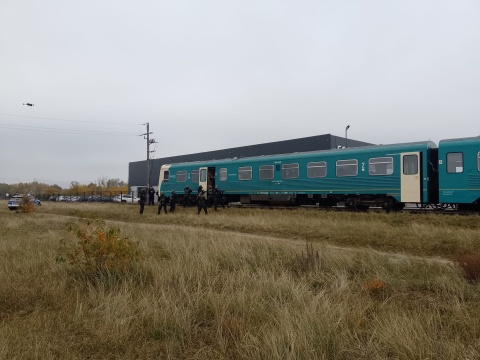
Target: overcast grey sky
213,74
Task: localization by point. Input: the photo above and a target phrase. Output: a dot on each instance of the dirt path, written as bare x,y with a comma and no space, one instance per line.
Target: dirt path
401,257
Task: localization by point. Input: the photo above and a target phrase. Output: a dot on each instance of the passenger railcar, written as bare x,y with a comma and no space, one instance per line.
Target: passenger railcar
459,173
383,175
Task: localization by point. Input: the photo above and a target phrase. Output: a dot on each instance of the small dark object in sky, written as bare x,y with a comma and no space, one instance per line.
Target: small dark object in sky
28,104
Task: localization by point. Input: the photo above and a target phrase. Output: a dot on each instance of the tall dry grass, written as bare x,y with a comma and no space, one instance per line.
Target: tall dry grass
418,234
239,285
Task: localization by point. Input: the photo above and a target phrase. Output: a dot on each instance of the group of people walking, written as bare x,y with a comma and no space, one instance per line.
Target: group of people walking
213,197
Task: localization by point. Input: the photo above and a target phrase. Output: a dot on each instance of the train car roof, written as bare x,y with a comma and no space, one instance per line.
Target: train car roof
427,144
472,138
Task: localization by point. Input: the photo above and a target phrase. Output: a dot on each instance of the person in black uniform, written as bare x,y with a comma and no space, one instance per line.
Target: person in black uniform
202,203
173,201
221,199
151,196
186,196
218,198
210,196
143,199
199,191
162,203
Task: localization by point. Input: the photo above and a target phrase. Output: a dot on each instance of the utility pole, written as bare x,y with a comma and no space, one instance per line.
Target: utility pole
149,141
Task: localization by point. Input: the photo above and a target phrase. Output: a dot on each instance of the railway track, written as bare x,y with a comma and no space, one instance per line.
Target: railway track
410,209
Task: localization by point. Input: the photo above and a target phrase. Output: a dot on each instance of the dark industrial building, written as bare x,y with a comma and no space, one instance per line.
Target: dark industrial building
137,171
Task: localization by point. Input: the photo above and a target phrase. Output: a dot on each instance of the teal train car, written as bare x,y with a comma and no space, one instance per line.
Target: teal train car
384,175
459,173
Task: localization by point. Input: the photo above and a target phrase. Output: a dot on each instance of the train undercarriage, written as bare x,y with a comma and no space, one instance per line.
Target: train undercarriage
348,201
351,202
354,202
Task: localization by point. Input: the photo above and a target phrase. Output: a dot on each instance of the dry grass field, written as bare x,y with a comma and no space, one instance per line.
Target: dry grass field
242,284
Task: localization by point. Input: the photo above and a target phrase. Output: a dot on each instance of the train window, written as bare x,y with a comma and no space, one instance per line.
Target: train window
410,164
245,173
478,161
223,174
317,169
380,166
265,172
347,168
290,171
182,176
166,175
203,175
454,163
195,176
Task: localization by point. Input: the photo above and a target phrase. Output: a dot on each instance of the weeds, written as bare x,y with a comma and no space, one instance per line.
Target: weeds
374,285
27,205
375,288
470,264
225,295
101,253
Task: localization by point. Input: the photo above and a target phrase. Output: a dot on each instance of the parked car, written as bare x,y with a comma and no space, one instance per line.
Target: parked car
126,199
16,200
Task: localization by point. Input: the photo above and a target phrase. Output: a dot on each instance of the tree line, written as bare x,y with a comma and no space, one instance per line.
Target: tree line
39,188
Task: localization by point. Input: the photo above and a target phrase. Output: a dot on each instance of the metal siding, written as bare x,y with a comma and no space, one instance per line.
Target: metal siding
363,183
360,184
459,188
137,175
172,184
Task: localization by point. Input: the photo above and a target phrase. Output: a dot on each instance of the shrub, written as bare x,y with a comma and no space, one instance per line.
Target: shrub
100,252
470,264
26,205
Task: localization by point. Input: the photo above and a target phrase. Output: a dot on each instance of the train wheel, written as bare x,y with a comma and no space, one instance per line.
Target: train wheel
387,205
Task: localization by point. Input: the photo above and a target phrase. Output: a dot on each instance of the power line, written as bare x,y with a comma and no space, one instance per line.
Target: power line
63,131
81,121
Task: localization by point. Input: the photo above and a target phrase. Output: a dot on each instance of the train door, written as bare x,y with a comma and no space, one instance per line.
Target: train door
203,178
206,178
411,177
211,178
